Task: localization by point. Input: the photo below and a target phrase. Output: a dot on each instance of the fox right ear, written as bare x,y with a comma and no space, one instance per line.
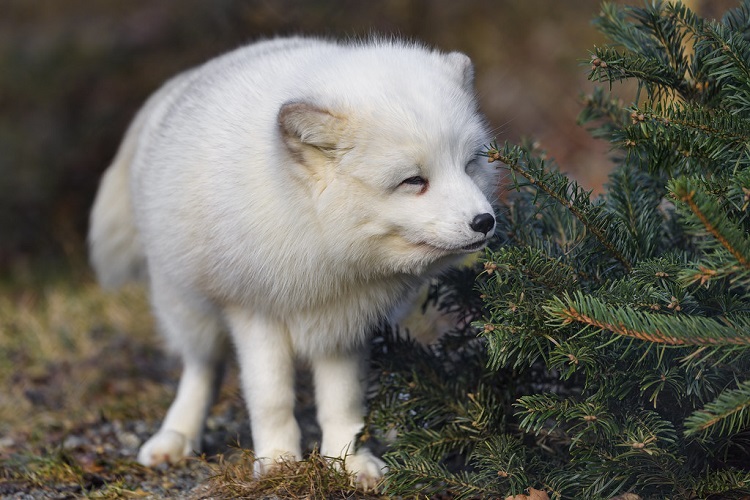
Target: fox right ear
464,68
304,124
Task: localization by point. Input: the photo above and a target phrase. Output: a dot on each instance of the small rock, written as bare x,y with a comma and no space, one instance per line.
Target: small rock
72,442
129,440
141,428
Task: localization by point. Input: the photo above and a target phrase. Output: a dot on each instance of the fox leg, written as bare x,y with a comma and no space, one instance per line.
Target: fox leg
194,331
339,397
266,361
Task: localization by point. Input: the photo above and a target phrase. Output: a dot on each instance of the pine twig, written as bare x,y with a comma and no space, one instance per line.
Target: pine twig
513,163
657,328
726,235
730,410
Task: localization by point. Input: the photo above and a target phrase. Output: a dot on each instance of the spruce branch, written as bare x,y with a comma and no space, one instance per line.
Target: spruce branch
412,473
509,459
582,419
634,200
613,22
714,222
517,280
721,483
738,19
534,264
689,132
725,415
610,65
654,39
436,444
728,63
593,310
558,188
674,330
605,116
541,409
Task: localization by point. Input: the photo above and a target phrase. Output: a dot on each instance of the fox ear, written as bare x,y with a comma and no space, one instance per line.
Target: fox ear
303,124
463,67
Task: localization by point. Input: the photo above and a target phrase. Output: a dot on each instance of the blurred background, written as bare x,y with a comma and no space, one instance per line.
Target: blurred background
73,73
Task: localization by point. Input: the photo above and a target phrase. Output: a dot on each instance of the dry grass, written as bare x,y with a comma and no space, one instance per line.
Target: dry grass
84,382
77,367
316,477
66,345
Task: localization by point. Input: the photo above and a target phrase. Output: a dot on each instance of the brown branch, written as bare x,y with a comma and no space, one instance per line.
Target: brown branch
712,229
571,314
722,416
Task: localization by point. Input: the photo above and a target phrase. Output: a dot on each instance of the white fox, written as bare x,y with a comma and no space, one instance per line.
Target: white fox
283,198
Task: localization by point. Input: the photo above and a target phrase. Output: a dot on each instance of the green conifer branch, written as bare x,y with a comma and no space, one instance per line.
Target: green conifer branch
541,409
675,330
557,187
517,280
715,223
533,263
725,415
698,122
548,411
633,202
722,483
651,33
613,22
678,138
738,19
506,461
610,115
594,310
729,64
413,473
438,443
611,65
703,274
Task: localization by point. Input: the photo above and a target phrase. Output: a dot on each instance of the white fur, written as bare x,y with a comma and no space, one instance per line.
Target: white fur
263,192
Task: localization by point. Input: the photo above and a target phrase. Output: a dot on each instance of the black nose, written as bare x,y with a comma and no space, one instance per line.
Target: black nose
483,223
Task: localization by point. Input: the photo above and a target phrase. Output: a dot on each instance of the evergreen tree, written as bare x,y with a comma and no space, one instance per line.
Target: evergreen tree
614,332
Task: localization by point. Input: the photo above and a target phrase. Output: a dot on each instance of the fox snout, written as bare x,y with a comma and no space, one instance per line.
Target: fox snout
483,223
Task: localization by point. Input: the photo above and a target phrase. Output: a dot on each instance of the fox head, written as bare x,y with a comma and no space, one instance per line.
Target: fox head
394,169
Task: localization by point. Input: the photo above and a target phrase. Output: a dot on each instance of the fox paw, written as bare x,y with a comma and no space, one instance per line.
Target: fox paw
164,447
366,469
275,458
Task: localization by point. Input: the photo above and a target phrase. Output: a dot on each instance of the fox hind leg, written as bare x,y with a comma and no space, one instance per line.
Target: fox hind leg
195,331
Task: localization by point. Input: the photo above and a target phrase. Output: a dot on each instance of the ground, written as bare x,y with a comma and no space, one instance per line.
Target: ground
86,382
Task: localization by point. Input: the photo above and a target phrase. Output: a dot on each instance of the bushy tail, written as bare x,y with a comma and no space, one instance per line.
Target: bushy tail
115,250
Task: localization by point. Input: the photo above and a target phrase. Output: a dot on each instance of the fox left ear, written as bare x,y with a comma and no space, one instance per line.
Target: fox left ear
463,67
303,124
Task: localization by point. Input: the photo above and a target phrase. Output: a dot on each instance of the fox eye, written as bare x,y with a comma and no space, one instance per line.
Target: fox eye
415,181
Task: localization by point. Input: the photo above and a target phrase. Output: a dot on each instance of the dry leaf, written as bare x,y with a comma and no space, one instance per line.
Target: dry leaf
534,494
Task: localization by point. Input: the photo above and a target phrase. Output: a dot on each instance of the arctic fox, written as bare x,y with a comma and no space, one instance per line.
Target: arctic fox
282,198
